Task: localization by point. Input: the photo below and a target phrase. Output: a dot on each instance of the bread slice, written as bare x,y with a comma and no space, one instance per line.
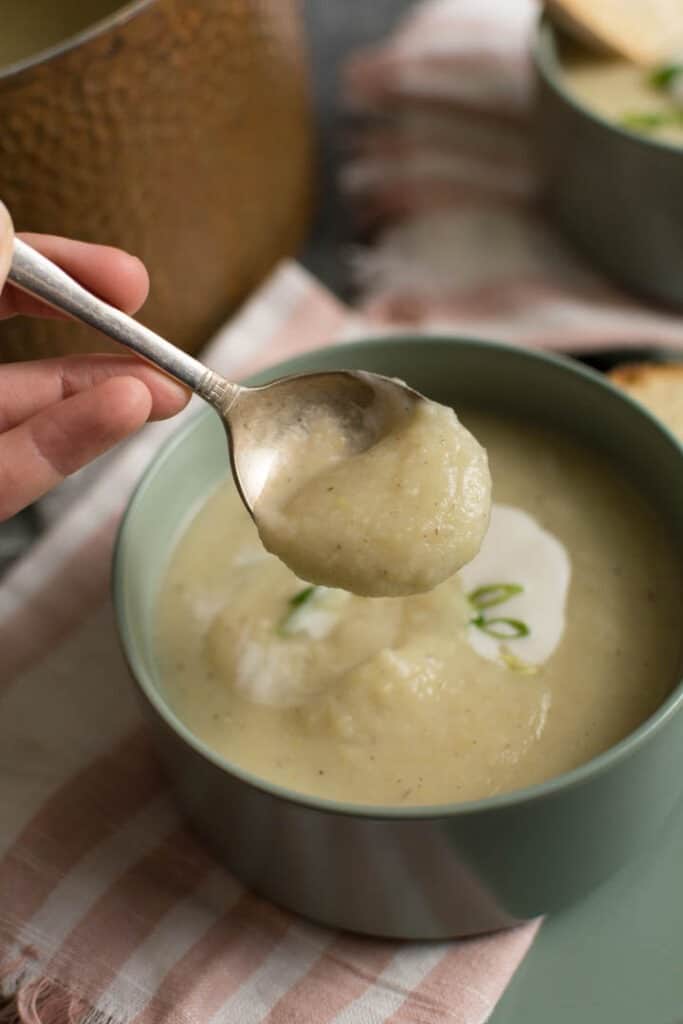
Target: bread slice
659,386
644,31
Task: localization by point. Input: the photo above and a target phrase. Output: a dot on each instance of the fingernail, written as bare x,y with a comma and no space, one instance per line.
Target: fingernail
6,239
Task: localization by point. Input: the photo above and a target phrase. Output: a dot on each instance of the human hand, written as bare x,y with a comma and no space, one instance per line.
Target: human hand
56,415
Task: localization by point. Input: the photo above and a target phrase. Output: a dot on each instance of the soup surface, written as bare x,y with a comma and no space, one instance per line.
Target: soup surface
647,102
558,639
30,26
397,518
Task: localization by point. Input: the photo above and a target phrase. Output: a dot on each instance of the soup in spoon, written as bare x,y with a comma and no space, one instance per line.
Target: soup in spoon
397,518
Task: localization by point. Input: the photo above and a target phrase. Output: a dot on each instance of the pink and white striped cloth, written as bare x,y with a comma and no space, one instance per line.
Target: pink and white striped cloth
110,911
440,172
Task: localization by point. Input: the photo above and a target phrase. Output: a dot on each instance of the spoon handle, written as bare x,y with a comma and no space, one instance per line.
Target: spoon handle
38,276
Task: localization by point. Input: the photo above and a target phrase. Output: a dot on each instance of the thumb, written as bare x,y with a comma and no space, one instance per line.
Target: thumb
6,241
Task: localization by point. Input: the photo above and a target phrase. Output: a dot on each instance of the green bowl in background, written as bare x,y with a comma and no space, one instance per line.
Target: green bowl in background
424,872
616,194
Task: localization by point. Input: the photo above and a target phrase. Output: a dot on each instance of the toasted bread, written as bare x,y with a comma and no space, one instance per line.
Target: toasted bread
644,31
659,386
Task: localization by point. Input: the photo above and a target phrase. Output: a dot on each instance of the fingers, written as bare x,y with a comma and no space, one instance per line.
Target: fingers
39,453
113,275
26,388
6,239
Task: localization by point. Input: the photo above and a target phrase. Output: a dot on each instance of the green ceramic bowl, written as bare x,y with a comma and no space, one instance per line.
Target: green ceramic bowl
616,194
427,872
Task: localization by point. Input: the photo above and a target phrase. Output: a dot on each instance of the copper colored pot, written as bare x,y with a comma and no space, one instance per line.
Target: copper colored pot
177,129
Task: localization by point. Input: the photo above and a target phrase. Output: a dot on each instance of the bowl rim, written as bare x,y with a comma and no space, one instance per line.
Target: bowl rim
547,64
537,792
118,16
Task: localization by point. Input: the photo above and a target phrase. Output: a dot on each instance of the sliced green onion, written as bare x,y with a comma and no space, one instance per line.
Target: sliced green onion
663,76
493,594
652,119
302,596
515,664
500,628
299,599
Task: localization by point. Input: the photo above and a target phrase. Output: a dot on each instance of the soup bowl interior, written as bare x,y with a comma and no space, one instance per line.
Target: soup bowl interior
491,856
39,31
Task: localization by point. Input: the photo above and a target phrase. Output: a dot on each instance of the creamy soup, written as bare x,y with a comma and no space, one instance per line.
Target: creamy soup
397,518
649,102
557,640
30,26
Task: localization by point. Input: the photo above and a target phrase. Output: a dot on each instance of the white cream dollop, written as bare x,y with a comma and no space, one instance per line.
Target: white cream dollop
517,550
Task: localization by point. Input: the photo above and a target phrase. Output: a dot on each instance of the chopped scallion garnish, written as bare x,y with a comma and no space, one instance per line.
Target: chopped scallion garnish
663,76
501,628
489,596
302,597
515,664
493,594
651,120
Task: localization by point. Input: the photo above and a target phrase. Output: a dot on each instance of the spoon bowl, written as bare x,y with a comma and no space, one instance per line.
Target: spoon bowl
273,424
266,425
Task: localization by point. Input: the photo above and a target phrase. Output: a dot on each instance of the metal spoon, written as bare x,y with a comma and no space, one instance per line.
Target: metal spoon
265,425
